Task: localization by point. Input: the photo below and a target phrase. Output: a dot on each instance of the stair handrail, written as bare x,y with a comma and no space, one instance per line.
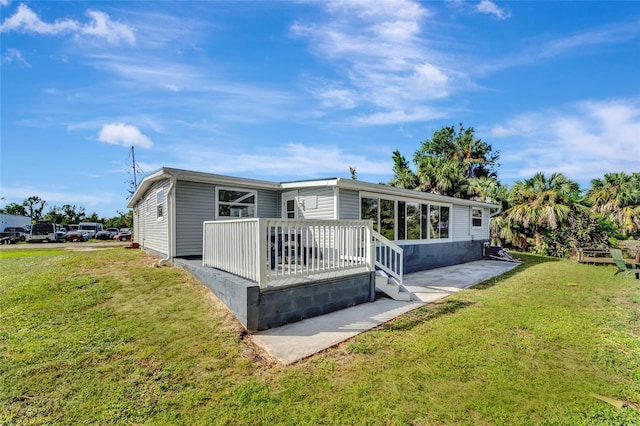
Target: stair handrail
388,256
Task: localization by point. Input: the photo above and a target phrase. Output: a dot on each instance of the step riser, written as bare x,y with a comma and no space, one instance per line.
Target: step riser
392,290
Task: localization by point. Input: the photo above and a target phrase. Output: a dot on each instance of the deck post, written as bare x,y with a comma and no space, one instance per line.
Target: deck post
370,247
261,254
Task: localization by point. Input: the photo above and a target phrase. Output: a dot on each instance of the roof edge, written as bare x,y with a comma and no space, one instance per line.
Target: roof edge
354,184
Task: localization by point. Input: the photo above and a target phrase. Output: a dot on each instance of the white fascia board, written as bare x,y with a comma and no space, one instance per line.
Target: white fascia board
410,193
222,180
146,183
191,176
309,184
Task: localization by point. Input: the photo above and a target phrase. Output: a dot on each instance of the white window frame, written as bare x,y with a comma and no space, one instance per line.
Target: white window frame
160,206
481,210
289,196
225,188
395,199
147,206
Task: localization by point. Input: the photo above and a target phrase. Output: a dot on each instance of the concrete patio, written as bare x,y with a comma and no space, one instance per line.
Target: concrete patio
293,342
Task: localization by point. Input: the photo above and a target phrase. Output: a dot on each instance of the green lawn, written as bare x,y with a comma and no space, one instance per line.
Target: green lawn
104,337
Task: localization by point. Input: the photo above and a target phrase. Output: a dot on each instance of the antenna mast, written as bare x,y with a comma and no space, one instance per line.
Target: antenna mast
135,169
133,160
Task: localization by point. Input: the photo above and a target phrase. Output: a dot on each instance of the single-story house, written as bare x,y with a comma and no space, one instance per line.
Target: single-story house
303,236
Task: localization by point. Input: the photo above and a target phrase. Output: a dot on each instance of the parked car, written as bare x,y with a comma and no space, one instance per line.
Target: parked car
76,236
107,234
103,235
123,235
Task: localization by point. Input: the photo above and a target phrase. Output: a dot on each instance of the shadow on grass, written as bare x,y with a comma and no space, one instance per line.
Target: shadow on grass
426,313
529,261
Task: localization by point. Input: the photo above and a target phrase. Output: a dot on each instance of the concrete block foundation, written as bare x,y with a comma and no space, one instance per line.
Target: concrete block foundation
258,309
422,257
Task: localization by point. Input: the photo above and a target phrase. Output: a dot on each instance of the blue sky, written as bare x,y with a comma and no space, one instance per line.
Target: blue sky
290,90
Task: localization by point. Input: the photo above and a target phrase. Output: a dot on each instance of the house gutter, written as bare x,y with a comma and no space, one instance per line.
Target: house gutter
171,225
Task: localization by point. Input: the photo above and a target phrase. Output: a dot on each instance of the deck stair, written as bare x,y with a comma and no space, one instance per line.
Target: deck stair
390,286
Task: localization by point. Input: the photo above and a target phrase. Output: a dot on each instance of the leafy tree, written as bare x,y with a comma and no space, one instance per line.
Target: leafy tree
34,206
488,190
14,208
539,201
447,163
93,217
122,220
544,214
617,199
475,157
55,215
403,176
73,214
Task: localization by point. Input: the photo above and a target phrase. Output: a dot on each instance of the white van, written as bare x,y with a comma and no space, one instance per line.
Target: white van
90,228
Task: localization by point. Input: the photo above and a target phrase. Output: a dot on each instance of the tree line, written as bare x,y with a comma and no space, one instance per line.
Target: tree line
33,207
545,214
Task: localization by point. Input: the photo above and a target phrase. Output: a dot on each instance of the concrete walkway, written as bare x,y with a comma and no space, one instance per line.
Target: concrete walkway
293,342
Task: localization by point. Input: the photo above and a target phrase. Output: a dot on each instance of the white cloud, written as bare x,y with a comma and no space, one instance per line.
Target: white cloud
583,140
288,161
387,62
14,55
5,2
53,197
400,116
380,10
27,21
100,26
618,32
490,8
561,46
125,135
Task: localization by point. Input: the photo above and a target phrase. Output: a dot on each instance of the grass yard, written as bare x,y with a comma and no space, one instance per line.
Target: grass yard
102,337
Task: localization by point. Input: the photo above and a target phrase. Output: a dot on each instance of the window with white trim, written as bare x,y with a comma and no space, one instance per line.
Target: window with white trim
160,203
233,202
438,222
406,219
476,217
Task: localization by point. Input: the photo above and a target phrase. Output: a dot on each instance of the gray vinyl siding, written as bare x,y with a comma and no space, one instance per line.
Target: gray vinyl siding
154,232
349,205
323,199
268,204
136,222
195,203
460,222
481,233
462,229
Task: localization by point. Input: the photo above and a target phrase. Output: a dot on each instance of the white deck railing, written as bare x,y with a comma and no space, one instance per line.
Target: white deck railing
388,256
276,252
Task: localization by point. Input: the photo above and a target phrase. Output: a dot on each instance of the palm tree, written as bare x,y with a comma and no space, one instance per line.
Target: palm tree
486,189
474,155
540,204
440,176
450,159
617,198
403,176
